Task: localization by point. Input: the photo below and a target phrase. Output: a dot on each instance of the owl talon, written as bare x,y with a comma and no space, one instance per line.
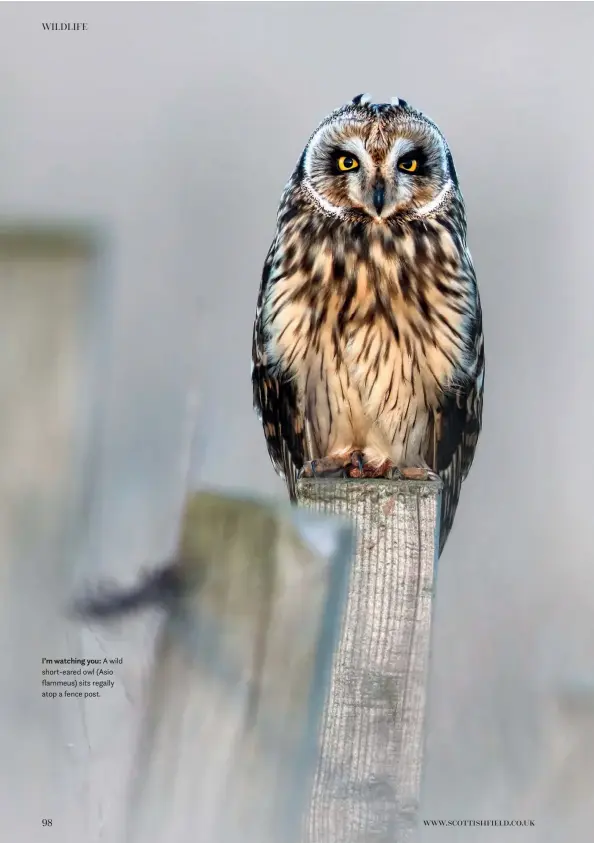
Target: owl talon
357,464
393,473
361,469
417,473
327,467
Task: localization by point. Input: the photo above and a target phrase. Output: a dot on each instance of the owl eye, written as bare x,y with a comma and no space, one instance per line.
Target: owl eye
346,163
409,165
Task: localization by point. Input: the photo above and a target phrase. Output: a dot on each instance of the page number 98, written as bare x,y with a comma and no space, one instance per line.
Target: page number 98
46,822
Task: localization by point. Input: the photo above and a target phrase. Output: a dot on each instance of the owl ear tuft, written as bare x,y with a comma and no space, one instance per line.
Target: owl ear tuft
398,102
362,99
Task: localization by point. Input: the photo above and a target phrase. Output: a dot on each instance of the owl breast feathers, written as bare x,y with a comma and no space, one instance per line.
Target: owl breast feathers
368,332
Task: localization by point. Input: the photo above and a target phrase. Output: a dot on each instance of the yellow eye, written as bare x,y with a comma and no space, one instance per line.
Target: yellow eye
347,162
408,164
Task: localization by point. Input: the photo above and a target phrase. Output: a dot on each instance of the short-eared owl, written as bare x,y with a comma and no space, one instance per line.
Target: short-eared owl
368,344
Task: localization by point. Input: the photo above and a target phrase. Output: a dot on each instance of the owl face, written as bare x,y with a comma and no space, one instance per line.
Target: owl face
377,162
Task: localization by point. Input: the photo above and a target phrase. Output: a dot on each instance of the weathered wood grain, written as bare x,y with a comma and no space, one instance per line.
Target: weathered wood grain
367,785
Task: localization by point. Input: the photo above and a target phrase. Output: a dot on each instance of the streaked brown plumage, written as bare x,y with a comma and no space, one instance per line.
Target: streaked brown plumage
368,343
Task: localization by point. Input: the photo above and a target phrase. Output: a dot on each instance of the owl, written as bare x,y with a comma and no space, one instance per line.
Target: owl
367,355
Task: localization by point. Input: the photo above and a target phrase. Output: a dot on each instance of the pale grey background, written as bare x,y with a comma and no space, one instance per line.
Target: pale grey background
174,128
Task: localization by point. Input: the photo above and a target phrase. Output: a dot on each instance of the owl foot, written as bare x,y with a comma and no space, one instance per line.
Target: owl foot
328,467
416,473
389,471
363,469
417,470
353,465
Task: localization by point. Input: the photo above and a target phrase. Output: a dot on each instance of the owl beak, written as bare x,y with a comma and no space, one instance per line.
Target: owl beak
379,195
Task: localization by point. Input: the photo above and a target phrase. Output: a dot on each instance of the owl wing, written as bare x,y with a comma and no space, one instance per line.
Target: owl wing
457,427
276,401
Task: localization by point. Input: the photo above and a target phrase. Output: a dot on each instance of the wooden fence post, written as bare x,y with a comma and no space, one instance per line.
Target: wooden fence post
368,780
228,743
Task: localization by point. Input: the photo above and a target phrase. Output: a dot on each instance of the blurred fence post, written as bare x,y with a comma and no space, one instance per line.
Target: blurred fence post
48,328
368,780
228,748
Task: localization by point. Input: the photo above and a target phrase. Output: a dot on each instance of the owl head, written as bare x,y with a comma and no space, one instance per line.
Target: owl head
378,162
